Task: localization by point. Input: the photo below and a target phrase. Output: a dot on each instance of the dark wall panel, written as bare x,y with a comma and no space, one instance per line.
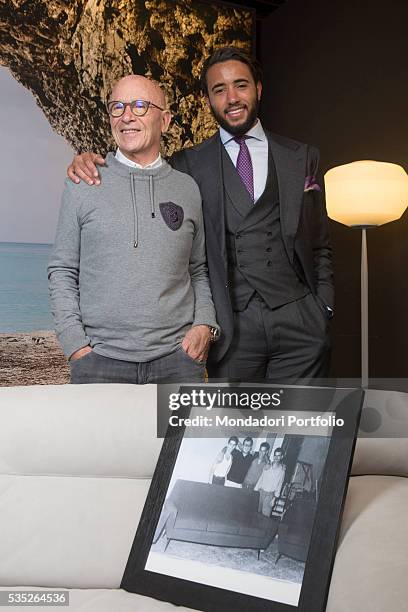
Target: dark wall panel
336,76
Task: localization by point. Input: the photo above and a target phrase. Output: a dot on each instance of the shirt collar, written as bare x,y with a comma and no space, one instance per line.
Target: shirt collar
125,160
256,132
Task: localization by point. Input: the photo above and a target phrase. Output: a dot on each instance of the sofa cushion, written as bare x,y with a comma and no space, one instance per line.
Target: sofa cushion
84,430
67,531
382,446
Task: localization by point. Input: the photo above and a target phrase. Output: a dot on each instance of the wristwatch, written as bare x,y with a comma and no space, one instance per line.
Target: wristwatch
214,333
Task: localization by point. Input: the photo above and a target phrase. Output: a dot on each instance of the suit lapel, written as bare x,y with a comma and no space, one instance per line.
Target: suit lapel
290,169
210,180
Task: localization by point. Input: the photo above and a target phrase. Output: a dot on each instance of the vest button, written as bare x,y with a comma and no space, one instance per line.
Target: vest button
269,263
269,249
238,236
269,233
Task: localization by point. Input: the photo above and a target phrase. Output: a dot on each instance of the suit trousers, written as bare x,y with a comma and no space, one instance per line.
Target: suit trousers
289,344
266,501
175,367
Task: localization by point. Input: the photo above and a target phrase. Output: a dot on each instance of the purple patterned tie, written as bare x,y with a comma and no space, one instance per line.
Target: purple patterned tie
244,165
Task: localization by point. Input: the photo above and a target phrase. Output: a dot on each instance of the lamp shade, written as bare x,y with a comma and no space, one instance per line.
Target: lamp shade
366,192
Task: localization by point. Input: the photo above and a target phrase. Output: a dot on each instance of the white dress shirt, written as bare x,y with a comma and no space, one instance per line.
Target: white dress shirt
125,160
258,149
271,479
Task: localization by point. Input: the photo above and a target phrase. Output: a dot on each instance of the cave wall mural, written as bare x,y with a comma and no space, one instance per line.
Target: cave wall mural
68,54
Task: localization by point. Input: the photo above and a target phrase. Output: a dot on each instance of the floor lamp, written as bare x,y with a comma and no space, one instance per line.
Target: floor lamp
365,194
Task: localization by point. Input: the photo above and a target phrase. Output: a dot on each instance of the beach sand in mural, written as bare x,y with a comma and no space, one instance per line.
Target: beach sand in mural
31,358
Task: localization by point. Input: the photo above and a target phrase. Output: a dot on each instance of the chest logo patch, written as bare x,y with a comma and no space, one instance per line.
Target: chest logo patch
172,214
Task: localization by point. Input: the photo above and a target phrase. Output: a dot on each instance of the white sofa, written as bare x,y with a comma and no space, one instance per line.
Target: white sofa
75,468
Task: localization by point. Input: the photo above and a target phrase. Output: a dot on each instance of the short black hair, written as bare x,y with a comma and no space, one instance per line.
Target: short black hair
278,450
248,439
225,54
265,444
233,439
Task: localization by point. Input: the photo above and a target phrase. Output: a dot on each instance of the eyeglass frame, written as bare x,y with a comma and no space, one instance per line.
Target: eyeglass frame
125,104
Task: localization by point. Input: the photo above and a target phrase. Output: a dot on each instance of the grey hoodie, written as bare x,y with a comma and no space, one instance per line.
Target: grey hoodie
128,272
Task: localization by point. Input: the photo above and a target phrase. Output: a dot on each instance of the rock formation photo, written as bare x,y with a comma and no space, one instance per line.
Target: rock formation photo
69,53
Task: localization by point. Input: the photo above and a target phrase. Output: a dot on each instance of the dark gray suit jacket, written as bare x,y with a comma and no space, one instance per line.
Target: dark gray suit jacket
303,217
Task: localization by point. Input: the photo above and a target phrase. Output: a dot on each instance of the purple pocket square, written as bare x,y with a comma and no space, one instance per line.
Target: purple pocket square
310,184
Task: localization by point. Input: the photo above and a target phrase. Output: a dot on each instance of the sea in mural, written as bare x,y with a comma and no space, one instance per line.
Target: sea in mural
24,304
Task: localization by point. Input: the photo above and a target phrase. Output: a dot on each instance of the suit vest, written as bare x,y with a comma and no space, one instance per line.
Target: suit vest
256,254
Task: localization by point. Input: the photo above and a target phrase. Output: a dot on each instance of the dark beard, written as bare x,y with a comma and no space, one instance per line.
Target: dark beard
238,130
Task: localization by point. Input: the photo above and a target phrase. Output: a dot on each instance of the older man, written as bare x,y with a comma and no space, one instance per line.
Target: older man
128,277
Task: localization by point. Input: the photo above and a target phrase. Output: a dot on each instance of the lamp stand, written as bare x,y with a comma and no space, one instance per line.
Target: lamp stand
364,304
364,309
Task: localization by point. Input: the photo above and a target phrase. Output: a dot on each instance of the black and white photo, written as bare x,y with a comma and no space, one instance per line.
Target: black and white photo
246,515
245,503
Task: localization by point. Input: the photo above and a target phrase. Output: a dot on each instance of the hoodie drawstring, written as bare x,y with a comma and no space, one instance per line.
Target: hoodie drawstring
153,212
135,228
151,193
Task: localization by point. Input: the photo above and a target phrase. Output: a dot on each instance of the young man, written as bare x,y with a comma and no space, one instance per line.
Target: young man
270,483
128,277
259,461
268,249
241,462
222,463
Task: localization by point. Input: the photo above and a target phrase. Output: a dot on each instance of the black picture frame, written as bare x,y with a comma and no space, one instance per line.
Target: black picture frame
346,405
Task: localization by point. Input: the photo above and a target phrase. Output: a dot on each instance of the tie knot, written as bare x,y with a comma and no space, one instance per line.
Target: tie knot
241,139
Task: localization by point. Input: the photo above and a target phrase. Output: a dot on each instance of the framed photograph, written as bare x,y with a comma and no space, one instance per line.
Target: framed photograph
245,504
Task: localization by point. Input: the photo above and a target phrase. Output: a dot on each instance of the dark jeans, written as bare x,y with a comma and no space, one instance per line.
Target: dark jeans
177,367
